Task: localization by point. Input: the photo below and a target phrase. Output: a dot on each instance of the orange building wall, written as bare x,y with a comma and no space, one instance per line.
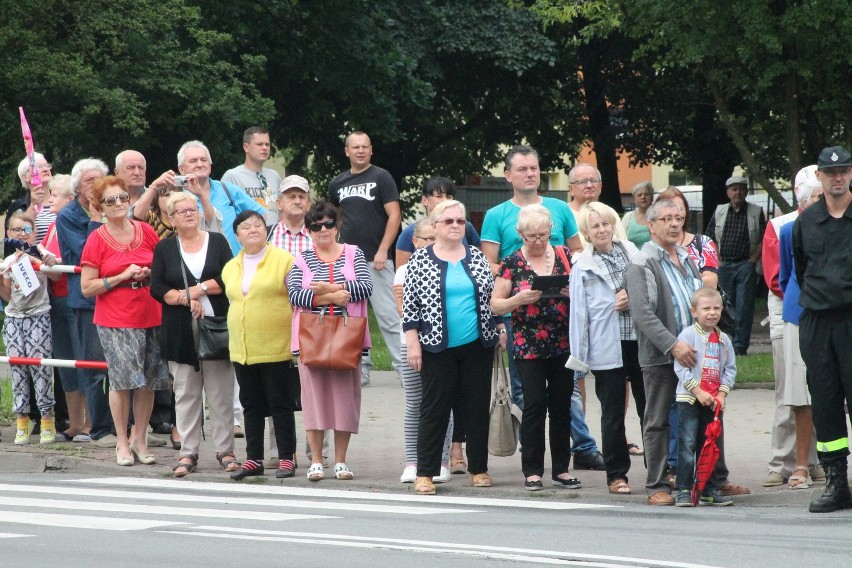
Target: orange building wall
628,176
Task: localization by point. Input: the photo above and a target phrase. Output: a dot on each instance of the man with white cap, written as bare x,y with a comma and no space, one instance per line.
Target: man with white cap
821,237
738,227
792,426
290,234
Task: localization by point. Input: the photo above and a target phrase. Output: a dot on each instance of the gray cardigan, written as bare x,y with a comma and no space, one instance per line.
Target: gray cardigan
652,306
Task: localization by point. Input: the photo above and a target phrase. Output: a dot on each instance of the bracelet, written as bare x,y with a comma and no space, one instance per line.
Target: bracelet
106,285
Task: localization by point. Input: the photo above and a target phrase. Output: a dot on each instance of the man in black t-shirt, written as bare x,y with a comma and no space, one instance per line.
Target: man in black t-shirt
369,202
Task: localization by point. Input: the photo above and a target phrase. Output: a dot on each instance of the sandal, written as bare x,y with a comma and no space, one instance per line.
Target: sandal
799,481
342,472
229,465
424,486
635,450
315,472
619,487
458,465
182,469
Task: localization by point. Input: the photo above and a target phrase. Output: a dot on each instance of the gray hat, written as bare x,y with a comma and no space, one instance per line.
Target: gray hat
736,180
834,157
294,182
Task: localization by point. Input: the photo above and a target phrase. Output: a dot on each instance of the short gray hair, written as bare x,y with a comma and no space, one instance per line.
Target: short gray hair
654,210
83,166
61,183
181,155
24,166
643,185
176,197
443,206
120,158
532,217
582,165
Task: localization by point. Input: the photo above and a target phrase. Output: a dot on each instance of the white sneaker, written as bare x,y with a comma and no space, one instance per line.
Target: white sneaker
444,477
409,474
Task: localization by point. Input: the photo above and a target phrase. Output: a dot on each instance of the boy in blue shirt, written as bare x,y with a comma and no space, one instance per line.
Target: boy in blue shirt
698,390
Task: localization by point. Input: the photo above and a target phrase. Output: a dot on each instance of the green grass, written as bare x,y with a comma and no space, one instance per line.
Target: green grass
755,368
6,414
379,353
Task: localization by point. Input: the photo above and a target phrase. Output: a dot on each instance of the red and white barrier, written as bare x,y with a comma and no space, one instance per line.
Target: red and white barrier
65,363
56,268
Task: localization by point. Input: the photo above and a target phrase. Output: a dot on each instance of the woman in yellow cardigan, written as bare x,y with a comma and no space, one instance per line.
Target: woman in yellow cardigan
259,322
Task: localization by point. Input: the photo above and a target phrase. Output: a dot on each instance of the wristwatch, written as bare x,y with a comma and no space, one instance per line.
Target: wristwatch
203,287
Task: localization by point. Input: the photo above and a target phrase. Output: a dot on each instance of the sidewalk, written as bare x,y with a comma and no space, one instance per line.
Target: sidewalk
376,455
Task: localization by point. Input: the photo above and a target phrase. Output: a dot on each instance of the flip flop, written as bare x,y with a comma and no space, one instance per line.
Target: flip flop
619,487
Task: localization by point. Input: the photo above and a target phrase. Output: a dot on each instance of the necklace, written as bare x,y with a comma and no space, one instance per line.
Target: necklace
548,260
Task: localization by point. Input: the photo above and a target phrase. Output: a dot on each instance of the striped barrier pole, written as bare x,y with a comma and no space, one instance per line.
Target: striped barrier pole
56,268
64,363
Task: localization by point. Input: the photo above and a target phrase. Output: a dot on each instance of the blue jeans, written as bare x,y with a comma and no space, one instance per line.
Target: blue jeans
583,441
738,280
87,346
673,425
693,420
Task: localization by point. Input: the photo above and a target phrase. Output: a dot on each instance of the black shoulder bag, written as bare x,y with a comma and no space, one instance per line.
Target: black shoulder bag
211,334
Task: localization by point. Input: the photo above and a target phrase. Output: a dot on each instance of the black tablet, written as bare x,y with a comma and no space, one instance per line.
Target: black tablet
551,285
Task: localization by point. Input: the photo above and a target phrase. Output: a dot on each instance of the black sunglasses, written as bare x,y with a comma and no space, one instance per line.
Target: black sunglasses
317,227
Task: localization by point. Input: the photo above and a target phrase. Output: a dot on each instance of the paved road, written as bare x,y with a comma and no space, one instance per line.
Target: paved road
120,521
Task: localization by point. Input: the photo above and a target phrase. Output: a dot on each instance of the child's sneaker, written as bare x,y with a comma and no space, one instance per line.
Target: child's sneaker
683,498
48,431
716,499
23,430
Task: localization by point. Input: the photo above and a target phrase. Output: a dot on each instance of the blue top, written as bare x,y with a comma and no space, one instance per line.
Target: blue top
73,227
462,317
499,225
787,279
405,241
229,212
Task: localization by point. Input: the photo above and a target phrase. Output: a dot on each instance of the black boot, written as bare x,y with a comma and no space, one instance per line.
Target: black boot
836,495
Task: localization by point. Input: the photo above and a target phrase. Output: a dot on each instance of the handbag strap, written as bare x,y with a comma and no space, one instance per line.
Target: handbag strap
183,273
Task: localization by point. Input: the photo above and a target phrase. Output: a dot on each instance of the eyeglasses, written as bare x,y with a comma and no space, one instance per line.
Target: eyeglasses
668,219
449,222
44,167
586,181
317,227
536,238
186,212
27,230
427,239
112,199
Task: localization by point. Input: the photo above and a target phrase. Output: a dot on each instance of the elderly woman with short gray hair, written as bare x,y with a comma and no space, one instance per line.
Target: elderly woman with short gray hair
539,345
634,221
186,278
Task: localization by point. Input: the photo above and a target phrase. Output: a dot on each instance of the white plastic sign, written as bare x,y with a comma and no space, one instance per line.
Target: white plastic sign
25,275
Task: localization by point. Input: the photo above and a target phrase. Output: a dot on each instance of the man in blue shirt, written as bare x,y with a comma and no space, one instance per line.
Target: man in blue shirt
74,224
229,200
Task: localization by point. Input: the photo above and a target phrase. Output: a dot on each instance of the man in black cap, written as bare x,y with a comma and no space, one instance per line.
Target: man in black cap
822,249
738,227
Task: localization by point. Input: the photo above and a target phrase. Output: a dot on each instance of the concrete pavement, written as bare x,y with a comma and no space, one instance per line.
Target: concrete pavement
376,455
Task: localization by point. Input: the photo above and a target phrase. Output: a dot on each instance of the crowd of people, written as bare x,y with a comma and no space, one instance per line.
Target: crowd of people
568,289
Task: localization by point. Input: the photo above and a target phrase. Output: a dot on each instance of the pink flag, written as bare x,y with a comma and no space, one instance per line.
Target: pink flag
35,176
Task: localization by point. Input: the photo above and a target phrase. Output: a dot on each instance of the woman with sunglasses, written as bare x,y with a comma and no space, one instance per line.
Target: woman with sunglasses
191,263
450,333
329,275
539,345
116,271
26,333
259,322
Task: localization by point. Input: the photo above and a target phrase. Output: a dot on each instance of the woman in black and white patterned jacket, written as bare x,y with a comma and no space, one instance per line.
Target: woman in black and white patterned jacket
450,333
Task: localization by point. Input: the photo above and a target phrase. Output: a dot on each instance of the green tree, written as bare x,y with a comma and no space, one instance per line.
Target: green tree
98,77
441,87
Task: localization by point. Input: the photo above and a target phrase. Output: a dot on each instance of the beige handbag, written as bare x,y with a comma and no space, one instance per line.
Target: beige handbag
504,424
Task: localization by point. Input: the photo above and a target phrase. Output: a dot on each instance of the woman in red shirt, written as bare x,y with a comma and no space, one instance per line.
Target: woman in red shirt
116,270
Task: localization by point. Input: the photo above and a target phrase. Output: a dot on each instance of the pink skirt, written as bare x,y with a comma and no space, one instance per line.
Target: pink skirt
331,400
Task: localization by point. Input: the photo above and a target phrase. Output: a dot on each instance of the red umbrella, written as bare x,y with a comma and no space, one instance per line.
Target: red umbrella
709,455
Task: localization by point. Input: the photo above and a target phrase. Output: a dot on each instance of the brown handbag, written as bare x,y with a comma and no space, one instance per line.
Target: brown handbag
331,341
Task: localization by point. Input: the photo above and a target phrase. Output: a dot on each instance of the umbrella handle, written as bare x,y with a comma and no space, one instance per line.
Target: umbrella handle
718,407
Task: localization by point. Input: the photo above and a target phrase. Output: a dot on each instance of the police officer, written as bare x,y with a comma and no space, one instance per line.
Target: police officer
822,247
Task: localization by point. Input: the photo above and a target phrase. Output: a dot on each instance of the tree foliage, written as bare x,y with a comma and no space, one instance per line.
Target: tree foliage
97,77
